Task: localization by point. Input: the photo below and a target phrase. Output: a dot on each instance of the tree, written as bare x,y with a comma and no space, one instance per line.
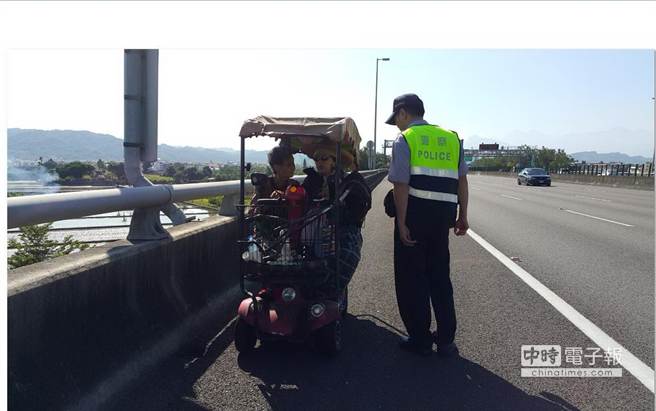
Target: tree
100,165
363,159
191,174
33,246
117,169
561,160
74,169
526,157
50,165
381,160
544,157
170,171
207,171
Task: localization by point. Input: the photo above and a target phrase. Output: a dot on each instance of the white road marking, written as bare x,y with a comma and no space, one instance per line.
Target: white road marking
630,362
598,218
507,196
594,198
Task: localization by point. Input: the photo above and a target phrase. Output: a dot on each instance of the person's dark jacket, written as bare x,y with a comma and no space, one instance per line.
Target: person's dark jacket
356,204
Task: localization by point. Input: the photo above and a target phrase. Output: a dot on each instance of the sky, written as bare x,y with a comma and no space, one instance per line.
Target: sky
578,100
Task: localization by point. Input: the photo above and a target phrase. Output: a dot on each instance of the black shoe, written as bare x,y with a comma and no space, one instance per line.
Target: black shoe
447,350
407,344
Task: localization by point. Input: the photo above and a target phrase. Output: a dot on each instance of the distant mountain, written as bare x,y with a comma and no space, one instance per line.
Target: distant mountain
71,145
594,157
632,142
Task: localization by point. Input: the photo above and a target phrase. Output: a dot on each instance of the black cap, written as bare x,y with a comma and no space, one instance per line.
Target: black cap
406,101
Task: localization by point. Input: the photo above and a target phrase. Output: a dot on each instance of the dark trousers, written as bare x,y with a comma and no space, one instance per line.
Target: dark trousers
421,275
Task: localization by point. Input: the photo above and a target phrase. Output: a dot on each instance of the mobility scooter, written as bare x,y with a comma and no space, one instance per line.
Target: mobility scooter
289,245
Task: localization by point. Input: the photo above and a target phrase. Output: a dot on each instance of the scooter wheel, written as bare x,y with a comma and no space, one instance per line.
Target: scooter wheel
245,337
328,339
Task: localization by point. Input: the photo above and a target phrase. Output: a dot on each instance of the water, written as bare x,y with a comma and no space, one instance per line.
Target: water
34,187
96,227
99,228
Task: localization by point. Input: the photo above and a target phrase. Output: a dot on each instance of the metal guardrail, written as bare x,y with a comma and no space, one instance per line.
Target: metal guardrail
594,169
36,209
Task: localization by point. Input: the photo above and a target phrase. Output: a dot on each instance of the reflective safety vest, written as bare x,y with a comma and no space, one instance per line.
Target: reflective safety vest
434,159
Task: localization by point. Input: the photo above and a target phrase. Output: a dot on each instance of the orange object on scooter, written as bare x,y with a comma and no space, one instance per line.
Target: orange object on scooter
295,196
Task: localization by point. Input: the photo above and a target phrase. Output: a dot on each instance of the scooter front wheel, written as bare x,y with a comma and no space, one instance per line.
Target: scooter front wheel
245,336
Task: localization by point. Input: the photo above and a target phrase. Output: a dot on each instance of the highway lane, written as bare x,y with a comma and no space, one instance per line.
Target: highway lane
627,203
497,314
605,270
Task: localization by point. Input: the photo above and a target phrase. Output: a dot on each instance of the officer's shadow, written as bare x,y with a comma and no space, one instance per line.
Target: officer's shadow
371,372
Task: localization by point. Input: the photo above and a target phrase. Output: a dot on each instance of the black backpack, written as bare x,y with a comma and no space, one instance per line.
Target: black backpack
388,203
358,201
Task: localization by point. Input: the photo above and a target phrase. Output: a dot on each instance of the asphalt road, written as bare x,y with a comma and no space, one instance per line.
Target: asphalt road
604,270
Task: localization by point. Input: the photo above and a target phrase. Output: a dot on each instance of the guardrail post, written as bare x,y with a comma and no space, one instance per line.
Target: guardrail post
228,205
142,227
635,174
140,138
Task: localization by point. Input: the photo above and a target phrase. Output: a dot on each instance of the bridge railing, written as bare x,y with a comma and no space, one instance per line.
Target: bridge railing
36,209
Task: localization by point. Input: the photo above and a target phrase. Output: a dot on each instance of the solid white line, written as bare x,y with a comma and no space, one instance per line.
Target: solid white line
630,362
507,196
598,218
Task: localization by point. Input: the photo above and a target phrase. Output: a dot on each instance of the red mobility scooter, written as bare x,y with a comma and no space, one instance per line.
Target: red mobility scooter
288,247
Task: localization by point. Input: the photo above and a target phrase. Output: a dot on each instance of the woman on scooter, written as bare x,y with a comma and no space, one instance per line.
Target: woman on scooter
282,165
320,183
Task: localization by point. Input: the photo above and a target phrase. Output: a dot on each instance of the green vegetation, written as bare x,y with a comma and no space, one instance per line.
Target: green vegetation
33,246
182,173
214,202
157,179
112,172
547,158
75,169
363,160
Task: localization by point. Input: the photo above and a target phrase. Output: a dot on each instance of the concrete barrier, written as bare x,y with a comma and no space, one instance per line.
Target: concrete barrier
637,182
74,319
82,326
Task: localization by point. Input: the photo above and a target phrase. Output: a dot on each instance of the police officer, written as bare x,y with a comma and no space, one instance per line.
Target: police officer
429,176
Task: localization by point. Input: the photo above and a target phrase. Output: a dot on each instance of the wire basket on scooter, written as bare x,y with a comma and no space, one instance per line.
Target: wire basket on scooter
276,245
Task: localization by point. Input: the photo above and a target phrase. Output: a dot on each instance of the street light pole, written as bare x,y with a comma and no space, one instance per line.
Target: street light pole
372,161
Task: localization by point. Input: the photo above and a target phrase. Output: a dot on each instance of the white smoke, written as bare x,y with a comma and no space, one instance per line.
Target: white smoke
30,178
